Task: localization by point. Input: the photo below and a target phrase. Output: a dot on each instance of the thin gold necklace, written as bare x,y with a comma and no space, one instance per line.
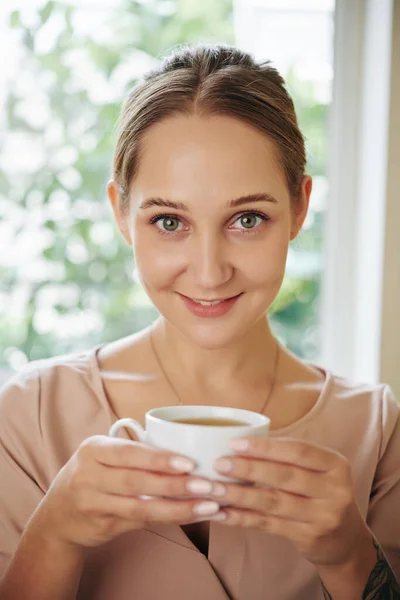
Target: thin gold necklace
158,359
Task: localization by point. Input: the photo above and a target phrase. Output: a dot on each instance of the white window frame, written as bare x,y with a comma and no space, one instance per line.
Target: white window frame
360,299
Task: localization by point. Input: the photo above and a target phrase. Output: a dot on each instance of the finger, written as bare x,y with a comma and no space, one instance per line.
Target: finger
281,476
118,452
134,482
153,510
292,530
291,451
271,502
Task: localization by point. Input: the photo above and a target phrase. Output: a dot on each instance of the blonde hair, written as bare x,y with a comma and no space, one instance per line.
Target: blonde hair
209,80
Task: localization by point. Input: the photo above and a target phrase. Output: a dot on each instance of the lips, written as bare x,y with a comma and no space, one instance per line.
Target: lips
210,308
208,302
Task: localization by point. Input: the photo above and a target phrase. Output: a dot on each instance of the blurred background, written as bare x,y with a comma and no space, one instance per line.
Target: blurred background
67,278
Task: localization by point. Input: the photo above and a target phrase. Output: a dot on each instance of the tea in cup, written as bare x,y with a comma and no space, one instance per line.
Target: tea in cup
201,433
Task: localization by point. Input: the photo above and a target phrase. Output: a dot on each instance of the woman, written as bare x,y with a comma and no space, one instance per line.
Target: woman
209,188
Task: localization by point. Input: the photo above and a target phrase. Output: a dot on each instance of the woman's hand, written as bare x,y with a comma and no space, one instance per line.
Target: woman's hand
301,491
96,495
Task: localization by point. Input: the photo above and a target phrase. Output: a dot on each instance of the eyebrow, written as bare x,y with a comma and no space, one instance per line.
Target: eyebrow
249,199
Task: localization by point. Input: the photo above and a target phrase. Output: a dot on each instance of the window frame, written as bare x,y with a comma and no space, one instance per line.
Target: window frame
361,277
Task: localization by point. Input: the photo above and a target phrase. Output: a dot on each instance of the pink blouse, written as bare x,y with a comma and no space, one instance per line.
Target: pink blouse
52,405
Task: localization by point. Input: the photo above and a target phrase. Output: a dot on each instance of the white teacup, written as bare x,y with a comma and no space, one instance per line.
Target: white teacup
202,443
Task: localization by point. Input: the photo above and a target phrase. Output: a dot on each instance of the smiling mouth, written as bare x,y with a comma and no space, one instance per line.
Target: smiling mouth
211,302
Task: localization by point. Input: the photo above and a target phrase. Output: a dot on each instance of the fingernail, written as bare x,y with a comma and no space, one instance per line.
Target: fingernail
199,486
224,465
218,489
220,516
239,444
182,464
206,508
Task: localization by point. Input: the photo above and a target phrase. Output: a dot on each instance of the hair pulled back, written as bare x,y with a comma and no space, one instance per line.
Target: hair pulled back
208,80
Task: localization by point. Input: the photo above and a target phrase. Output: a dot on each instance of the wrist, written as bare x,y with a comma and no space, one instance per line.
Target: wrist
59,546
52,543
348,579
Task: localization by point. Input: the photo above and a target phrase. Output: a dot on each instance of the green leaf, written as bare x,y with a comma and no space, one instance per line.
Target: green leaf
15,18
51,225
46,11
61,309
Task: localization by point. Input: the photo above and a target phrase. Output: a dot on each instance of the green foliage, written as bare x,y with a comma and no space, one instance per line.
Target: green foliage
15,18
73,288
45,12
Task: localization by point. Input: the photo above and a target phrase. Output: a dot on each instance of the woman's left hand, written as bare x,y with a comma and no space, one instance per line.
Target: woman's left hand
301,491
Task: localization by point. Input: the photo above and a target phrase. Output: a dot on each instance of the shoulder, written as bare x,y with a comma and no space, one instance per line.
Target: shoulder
76,368
40,390
370,410
373,396
19,398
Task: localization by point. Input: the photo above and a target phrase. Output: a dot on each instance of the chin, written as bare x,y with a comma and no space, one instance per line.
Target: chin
213,334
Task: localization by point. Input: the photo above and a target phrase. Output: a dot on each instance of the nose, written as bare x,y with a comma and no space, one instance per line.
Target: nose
210,261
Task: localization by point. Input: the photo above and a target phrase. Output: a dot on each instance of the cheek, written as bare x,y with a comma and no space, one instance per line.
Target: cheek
265,265
157,266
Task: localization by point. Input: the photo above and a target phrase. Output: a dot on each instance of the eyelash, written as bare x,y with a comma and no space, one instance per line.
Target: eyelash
252,230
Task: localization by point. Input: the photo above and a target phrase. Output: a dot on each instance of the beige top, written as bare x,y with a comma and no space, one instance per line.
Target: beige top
52,405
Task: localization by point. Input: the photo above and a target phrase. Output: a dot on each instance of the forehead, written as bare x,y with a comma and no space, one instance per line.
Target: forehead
213,156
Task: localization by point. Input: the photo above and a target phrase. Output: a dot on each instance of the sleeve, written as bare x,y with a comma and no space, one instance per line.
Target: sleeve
21,480
384,508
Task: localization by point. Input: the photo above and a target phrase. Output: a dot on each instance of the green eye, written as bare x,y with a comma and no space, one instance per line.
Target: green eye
170,223
248,221
167,223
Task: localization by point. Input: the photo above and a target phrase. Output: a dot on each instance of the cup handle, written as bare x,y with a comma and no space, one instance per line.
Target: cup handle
131,424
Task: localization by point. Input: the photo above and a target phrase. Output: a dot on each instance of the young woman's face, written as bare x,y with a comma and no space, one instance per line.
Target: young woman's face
210,219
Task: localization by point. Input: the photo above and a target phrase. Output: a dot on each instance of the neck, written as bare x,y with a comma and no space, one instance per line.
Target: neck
248,359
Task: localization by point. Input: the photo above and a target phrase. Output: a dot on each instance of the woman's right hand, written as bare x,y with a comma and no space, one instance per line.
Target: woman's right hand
95,496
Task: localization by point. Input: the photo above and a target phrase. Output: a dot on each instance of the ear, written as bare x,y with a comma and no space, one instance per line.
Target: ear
120,215
300,210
